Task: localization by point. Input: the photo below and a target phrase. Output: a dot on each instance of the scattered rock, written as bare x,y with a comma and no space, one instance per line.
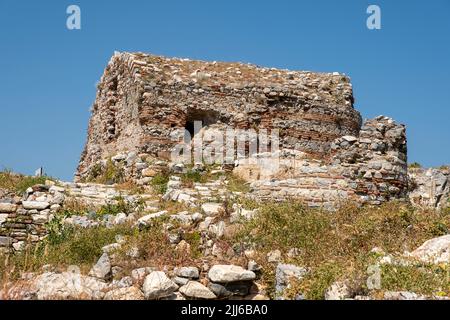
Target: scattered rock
183,247
274,256
35,205
403,295
230,273
180,280
338,291
7,207
187,272
435,251
128,293
140,273
146,220
211,209
102,269
284,274
224,290
68,285
194,289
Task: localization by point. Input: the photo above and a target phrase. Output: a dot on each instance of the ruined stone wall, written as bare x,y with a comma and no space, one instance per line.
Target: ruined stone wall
145,102
23,219
430,187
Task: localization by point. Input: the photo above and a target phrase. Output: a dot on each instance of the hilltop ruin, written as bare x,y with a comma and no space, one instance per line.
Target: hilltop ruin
327,154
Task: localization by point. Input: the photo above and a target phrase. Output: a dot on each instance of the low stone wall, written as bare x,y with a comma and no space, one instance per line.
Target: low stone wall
22,219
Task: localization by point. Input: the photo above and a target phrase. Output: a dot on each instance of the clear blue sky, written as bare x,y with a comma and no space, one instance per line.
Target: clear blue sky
48,73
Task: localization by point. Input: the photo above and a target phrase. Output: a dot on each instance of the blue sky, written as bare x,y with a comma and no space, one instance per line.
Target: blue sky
48,73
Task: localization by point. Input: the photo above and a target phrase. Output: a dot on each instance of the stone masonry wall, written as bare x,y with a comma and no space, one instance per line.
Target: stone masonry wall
370,168
144,102
430,187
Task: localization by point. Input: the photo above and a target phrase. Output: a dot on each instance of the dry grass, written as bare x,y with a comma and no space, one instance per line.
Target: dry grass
18,183
337,245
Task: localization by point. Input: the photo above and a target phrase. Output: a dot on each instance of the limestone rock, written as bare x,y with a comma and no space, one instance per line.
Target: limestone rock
157,285
211,209
68,285
129,293
230,273
147,219
436,250
284,274
140,273
338,291
102,269
194,289
35,205
7,207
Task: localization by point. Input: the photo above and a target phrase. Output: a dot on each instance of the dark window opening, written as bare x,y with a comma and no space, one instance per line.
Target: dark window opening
204,117
190,128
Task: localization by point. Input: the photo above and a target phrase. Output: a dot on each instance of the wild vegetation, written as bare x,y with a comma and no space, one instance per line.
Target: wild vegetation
18,183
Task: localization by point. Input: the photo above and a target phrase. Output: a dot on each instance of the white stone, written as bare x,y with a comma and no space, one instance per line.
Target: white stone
102,269
19,246
40,218
68,285
146,220
7,207
217,229
274,256
338,291
3,217
435,251
35,205
197,216
194,289
55,189
212,208
128,293
230,273
350,138
111,247
284,275
120,218
157,285
187,272
140,273
182,217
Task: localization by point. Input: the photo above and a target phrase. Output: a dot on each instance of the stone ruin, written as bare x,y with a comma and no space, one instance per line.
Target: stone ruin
326,153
